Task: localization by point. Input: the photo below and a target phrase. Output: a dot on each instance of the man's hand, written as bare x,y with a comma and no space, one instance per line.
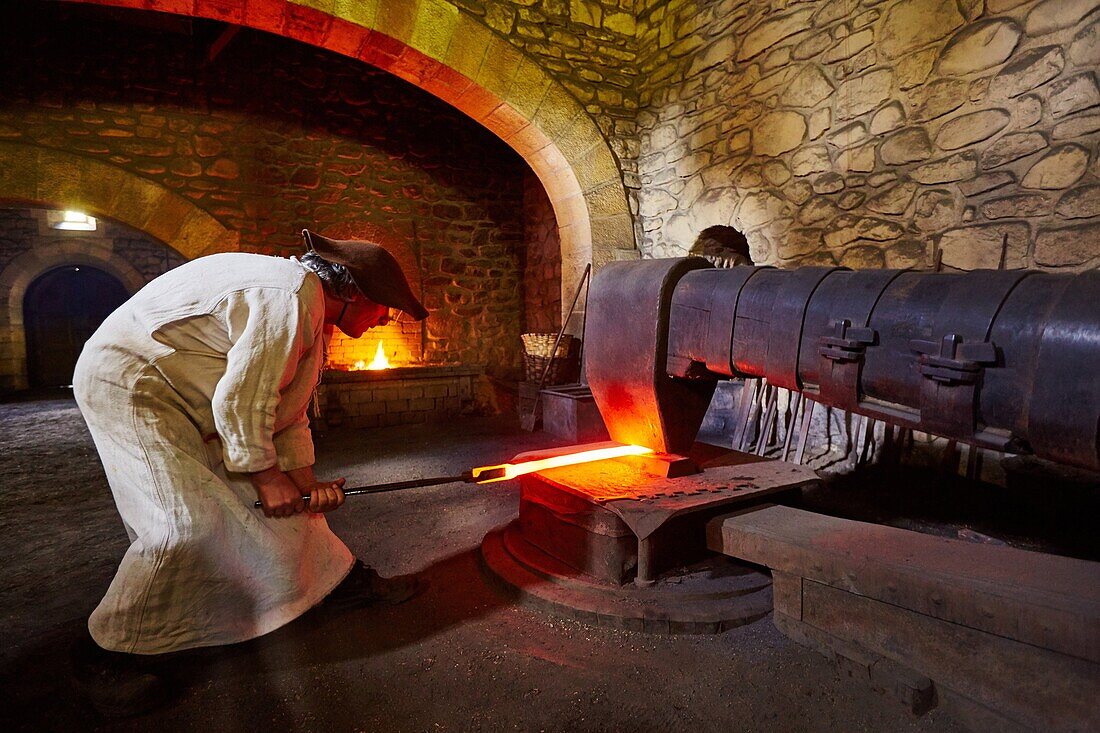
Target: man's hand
278,494
324,496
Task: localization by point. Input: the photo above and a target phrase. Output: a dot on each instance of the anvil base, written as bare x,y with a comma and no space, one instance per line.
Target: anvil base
616,540
708,598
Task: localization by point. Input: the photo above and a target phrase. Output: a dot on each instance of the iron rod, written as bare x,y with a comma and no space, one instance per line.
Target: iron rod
791,422
399,485
767,422
804,429
746,418
744,399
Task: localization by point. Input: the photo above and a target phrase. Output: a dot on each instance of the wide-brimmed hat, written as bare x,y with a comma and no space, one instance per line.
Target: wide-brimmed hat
375,271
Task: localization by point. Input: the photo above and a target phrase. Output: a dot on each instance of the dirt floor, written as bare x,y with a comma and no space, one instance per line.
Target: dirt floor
458,658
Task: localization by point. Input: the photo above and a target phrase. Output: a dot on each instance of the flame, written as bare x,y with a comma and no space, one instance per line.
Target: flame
506,471
380,361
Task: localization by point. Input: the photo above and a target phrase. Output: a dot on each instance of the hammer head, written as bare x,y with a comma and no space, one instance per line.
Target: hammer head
626,351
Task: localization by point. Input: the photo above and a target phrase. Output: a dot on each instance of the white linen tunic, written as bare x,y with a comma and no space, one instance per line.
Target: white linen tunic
204,375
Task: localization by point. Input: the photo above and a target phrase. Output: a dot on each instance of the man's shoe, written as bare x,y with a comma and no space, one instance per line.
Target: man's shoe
117,685
363,586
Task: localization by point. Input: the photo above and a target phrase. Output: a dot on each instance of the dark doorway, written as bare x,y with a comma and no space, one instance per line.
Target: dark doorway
61,310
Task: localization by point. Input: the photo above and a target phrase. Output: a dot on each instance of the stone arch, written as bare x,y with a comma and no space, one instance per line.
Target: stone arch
23,270
453,56
53,178
45,177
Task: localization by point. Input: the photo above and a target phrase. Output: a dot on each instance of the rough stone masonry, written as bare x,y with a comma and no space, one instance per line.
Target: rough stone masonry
866,133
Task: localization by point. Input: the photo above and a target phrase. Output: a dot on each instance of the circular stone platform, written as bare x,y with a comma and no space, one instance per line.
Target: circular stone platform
706,598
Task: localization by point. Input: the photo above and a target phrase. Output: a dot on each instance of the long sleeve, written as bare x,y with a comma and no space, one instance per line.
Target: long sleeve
294,443
270,333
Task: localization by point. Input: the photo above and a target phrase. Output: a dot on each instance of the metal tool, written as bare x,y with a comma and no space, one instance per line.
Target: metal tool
467,478
504,471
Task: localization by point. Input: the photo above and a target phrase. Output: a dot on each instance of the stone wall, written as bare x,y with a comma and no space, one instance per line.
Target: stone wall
870,133
542,264
272,136
590,47
148,256
18,230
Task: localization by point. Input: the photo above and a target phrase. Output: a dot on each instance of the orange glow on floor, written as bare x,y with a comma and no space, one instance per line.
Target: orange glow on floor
506,471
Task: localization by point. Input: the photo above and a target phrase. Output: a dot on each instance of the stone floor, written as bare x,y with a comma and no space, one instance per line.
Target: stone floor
460,657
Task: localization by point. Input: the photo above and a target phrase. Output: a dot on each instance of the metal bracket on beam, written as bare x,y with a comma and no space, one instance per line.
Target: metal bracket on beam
951,361
846,344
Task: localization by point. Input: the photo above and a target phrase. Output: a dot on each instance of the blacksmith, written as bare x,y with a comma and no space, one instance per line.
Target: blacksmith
196,393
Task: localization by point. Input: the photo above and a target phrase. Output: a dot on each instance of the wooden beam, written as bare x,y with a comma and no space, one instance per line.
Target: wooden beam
1036,688
1045,600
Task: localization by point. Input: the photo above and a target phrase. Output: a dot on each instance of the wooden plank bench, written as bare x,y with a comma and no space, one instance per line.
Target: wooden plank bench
1010,638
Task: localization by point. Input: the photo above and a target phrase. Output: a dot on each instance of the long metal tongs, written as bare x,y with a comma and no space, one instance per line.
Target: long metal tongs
476,476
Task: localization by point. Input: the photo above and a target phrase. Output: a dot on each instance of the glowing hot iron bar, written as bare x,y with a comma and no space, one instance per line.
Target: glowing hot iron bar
503,471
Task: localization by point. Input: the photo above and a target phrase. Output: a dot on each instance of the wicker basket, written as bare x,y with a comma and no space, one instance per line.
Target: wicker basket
540,344
537,348
561,369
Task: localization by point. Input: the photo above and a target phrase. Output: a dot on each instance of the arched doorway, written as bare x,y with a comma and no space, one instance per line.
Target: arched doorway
61,310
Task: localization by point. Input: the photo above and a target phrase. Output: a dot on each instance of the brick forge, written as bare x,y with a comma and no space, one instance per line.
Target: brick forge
381,379
388,376
398,396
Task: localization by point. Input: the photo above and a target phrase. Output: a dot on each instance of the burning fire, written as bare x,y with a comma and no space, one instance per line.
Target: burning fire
505,471
378,362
